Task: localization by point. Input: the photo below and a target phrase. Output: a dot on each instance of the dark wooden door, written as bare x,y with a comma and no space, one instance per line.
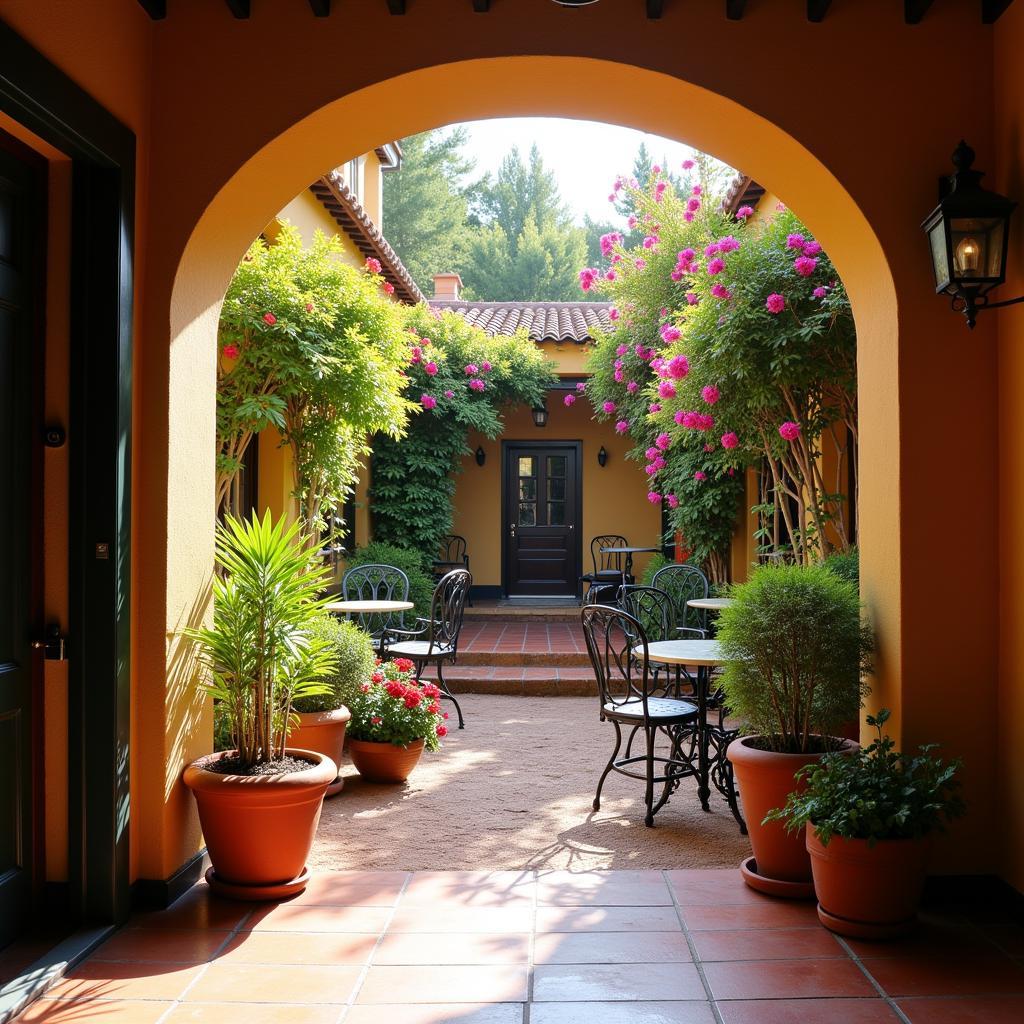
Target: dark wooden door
16,544
542,509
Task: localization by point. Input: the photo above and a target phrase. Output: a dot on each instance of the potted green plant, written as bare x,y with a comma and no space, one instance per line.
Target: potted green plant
259,802
319,721
869,818
797,653
394,717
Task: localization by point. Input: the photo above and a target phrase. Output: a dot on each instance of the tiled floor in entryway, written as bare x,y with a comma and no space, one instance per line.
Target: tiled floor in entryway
615,947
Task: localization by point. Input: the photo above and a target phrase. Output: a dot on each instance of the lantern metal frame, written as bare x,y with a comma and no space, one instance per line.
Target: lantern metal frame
481,455
602,457
962,199
540,415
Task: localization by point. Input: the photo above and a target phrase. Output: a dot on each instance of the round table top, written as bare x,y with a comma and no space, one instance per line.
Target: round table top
626,551
684,652
369,607
714,604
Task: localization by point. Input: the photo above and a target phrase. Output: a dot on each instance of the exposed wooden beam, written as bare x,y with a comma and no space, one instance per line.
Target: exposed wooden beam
239,8
734,9
156,9
915,10
320,8
991,10
396,6
655,8
817,9
481,6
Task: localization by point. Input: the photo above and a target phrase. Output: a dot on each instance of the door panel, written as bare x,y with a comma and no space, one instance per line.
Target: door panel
16,544
541,520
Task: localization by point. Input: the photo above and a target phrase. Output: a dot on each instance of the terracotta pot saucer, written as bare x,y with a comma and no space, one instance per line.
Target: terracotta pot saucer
335,787
257,893
864,929
775,886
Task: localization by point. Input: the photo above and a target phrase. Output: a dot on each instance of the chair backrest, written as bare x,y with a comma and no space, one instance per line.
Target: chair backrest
376,582
453,548
654,609
683,582
617,645
447,606
604,560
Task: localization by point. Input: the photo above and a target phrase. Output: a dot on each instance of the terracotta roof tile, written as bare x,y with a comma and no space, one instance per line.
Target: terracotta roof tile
743,191
543,321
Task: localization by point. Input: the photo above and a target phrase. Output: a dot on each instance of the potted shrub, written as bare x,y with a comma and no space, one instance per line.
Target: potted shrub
393,718
796,653
320,719
869,818
259,802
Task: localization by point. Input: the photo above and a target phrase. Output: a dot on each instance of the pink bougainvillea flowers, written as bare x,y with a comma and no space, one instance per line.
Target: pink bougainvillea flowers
692,205
476,384
794,241
388,288
568,400
789,431
805,265
640,264
650,241
230,351
673,501
430,369
269,318
608,406
775,303
632,387
699,475
588,275
621,350
728,244
581,387
662,441
428,401
710,394
670,333
622,426
485,367
820,292
730,440
812,248
666,389
449,394
372,265
654,497
678,367
692,298
744,212
471,369
654,407
720,291
687,165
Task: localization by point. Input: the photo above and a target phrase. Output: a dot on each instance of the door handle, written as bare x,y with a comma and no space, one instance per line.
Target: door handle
54,647
512,529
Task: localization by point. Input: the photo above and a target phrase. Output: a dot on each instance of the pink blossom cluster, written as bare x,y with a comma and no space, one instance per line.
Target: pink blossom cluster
588,275
670,333
775,303
654,497
372,265
428,401
673,501
650,241
622,426
694,420
610,240
744,212
476,384
789,431
678,367
710,394
568,400
730,440
659,190
720,291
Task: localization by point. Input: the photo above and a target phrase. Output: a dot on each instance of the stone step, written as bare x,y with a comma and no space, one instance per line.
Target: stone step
523,659
531,681
489,611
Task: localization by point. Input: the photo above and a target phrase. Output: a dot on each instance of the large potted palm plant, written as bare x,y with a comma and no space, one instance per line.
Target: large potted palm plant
797,652
259,802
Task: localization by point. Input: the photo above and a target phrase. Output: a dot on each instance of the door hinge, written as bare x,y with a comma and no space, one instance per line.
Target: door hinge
54,646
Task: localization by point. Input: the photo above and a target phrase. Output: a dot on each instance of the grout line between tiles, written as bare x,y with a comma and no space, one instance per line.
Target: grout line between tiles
531,948
889,1000
694,956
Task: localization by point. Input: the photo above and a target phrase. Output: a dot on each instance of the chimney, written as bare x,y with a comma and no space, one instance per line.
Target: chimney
446,287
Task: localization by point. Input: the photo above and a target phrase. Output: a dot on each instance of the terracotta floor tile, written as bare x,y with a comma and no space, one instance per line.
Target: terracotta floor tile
611,948
965,1010
933,938
509,880
198,908
267,983
607,919
319,948
251,1013
767,944
603,892
781,979
335,889
622,1013
774,914
506,983
615,982
1008,937
437,1013
923,975
807,1011
712,888
462,919
286,917
171,945
88,1011
452,949
98,979
430,892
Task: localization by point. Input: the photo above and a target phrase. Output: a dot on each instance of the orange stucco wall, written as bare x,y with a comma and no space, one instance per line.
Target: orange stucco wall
855,152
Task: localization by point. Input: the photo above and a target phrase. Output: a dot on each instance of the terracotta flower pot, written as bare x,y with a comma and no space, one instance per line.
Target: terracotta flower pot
781,865
384,762
324,732
867,892
259,828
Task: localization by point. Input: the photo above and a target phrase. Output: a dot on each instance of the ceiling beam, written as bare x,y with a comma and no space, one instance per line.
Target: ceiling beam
655,8
734,9
915,10
817,9
396,6
991,10
481,6
320,8
156,9
239,8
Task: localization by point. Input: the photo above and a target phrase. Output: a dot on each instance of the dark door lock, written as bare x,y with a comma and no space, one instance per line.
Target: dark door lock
55,646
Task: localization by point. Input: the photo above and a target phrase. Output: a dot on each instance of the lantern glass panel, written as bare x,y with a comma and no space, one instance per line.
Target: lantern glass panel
940,254
977,245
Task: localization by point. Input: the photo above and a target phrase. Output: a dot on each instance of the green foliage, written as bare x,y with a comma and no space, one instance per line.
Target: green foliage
413,480
654,563
261,653
392,707
355,657
797,654
875,793
413,563
846,565
313,347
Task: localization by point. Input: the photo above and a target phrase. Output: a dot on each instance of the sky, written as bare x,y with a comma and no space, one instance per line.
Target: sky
585,156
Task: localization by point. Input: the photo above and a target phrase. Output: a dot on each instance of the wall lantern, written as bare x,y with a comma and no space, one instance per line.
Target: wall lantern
481,455
602,457
540,415
968,233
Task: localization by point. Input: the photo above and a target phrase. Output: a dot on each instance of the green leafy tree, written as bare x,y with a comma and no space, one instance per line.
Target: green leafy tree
461,379
313,347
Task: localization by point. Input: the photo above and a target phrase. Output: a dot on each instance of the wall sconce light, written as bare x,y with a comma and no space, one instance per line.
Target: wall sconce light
968,234
540,415
602,457
481,455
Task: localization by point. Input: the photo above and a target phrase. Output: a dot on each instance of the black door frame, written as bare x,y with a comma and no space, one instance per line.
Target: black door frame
526,443
39,96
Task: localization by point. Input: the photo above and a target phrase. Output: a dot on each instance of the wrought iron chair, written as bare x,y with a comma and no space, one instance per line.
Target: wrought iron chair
609,571
683,582
452,555
617,645
376,582
436,640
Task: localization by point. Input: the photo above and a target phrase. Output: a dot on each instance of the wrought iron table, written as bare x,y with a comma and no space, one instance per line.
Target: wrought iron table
357,607
629,552
711,604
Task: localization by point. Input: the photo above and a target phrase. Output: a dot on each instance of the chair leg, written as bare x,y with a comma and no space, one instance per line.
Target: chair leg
649,732
608,767
448,695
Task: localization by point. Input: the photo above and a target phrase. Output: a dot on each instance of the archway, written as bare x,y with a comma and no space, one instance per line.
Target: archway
404,105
